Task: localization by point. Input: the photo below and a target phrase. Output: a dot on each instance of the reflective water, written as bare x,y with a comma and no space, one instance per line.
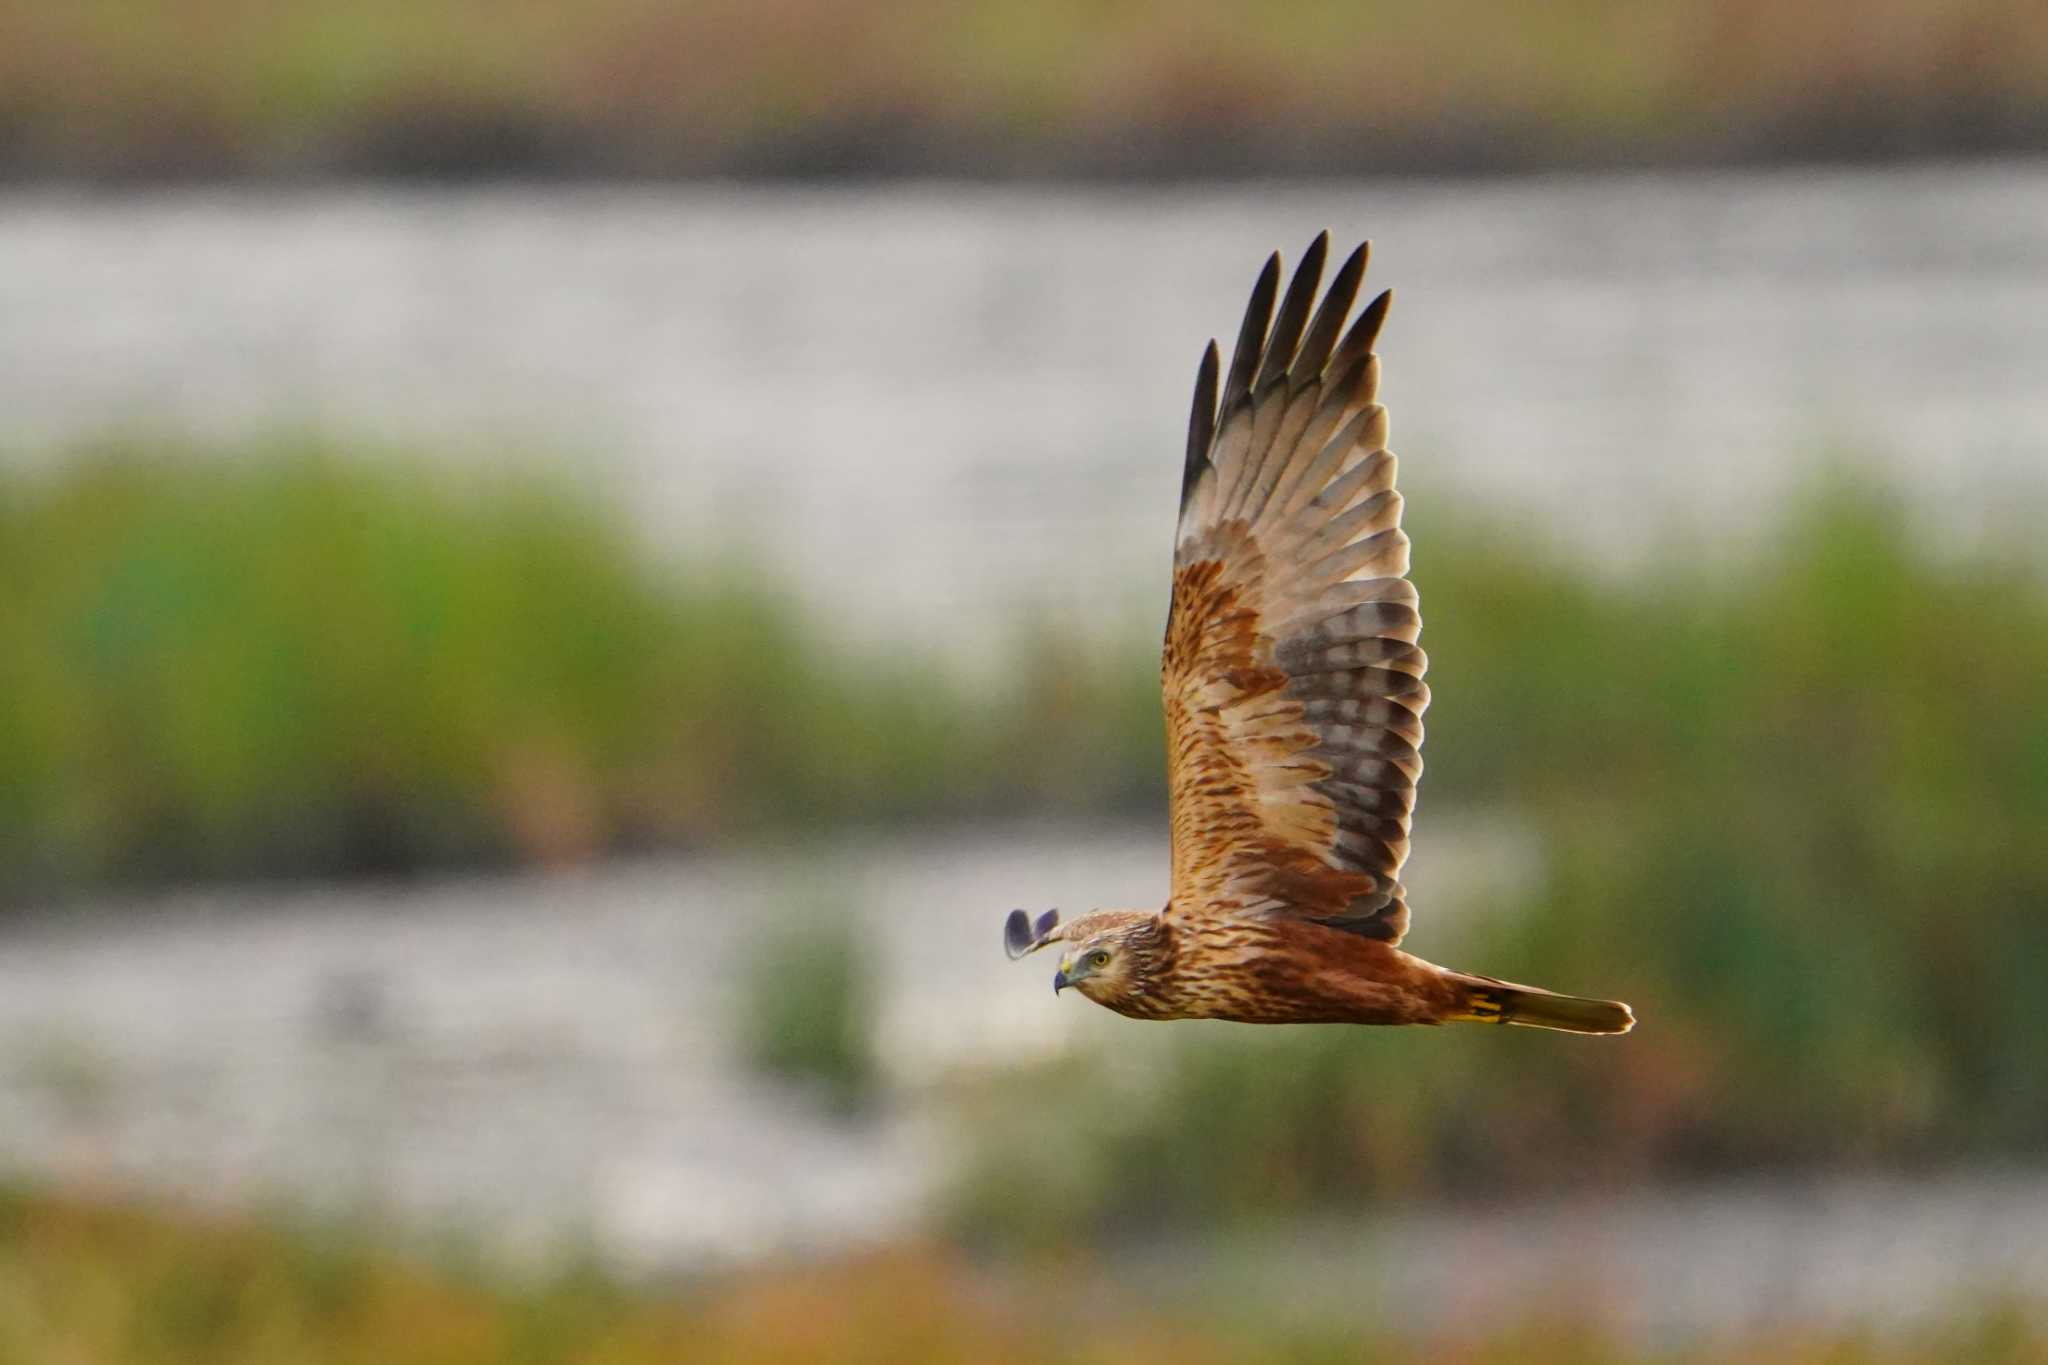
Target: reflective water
923,405
534,1054
541,1059
528,1056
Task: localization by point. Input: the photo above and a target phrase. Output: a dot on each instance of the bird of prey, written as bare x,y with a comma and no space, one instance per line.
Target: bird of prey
1294,700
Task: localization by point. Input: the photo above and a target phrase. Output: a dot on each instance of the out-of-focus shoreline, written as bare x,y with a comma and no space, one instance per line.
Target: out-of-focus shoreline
1003,89
108,1279
483,151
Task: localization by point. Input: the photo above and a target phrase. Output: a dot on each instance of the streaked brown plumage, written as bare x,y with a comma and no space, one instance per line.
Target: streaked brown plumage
1294,699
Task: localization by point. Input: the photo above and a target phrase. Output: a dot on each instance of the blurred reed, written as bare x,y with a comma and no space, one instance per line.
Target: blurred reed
806,1010
455,87
1789,807
274,662
84,1280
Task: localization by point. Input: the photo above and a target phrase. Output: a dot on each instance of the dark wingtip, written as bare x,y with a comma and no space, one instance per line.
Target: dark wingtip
1285,336
1251,337
1374,317
1017,934
1328,325
1201,425
1021,936
1365,330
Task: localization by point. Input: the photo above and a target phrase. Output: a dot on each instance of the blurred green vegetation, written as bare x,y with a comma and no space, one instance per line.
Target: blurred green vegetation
806,1011
273,661
90,1281
1158,86
1790,810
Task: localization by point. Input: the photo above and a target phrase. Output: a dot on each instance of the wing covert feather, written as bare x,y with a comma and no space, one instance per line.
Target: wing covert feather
1293,683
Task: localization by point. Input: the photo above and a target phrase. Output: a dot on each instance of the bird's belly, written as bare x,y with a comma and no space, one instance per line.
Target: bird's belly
1310,1009
1289,987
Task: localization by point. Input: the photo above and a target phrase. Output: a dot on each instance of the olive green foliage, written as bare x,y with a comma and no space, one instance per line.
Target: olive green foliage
262,663
277,660
1790,810
806,1009
92,1282
1147,87
1789,807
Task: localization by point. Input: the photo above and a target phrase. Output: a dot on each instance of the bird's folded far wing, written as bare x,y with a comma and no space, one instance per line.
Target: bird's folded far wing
1293,683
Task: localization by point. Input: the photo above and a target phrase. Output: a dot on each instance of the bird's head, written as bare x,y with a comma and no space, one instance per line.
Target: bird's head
1105,954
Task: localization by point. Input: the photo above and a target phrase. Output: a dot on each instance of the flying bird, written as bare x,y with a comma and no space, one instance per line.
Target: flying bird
1294,700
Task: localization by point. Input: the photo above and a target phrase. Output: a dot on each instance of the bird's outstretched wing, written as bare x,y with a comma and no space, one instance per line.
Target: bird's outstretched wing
1294,692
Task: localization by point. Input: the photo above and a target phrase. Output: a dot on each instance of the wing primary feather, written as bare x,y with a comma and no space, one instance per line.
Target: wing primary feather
1251,338
1364,332
1277,421
1280,451
1396,801
1383,554
1232,450
1400,715
1339,598
1371,474
1201,425
1325,661
1309,477
1274,415
1375,467
1287,327
1380,512
1314,357
1385,609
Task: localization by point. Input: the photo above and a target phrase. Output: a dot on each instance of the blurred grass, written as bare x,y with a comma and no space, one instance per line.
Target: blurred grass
1790,810
273,661
463,86
1789,807
806,1010
91,1281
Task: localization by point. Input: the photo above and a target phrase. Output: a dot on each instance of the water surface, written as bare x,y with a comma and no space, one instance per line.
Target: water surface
929,406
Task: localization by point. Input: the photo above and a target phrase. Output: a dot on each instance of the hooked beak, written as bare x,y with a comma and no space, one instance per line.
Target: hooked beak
1060,979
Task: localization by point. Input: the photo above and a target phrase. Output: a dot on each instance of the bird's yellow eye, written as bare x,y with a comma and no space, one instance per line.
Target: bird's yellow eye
1098,959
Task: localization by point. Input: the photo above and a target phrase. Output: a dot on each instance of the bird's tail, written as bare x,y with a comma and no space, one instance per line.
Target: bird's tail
1502,1002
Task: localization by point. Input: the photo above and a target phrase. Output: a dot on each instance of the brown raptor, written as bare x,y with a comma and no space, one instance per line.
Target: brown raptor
1294,700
